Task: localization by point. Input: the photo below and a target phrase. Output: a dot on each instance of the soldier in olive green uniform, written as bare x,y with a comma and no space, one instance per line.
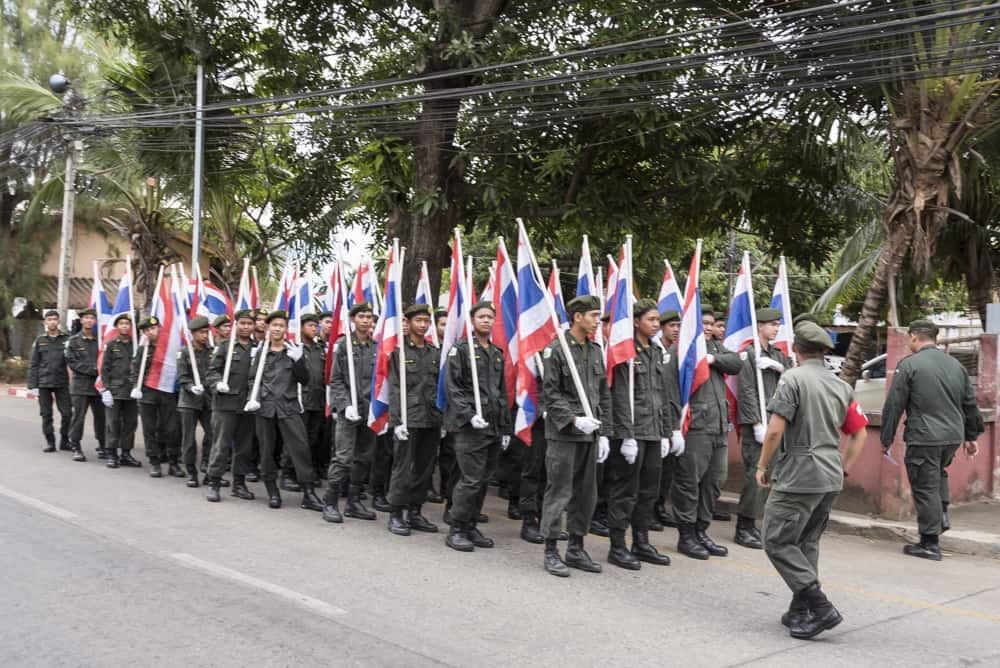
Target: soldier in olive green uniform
533,478
313,405
81,356
48,380
231,426
354,442
223,327
478,435
193,405
447,469
772,364
158,409
934,390
417,440
702,467
576,442
639,441
122,414
670,325
810,410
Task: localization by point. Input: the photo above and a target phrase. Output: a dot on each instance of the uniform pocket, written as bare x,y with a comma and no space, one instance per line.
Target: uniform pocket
781,525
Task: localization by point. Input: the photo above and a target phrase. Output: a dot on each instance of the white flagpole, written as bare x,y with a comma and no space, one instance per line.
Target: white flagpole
402,340
232,335
351,373
630,300
786,310
145,345
467,315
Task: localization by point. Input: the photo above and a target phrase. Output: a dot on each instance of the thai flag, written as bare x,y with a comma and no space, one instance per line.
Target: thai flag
621,340
390,332
739,329
423,296
99,302
300,304
555,289
169,310
504,334
609,292
214,301
670,293
363,289
587,284
340,324
489,292
246,296
124,305
288,297
456,315
535,331
692,350
781,299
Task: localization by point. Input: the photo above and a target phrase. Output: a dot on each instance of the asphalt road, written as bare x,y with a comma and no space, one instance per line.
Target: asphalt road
104,567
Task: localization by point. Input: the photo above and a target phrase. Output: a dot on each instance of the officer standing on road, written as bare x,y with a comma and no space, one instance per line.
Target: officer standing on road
772,363
158,409
313,403
576,442
935,392
81,357
48,380
122,414
670,326
809,411
193,405
416,442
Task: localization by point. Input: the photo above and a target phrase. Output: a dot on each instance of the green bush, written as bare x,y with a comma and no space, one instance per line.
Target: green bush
14,371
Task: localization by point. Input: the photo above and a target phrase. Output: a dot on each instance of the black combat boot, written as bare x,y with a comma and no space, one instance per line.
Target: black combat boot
687,542
397,525
176,470
192,481
797,610
577,557
446,515
530,532
64,445
457,540
482,519
654,525
644,550
553,562
598,526
309,499
155,470
240,490
822,618
477,537
927,548
111,459
380,503
289,483
618,554
253,476
745,534
434,497
713,549
945,519
50,445
514,508
355,508
720,516
213,491
418,522
331,513
78,455
273,495
127,459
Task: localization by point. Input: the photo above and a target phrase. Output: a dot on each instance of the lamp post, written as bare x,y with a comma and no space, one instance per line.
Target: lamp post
60,85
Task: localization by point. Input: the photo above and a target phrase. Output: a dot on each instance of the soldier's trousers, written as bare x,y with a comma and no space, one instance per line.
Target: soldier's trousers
160,431
190,419
447,466
667,474
571,486
793,525
381,469
697,480
413,466
927,471
510,465
476,454
121,420
353,448
60,395
231,431
752,497
533,478
313,421
631,489
296,444
80,402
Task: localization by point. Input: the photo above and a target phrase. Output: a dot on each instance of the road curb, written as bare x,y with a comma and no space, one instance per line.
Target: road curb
19,392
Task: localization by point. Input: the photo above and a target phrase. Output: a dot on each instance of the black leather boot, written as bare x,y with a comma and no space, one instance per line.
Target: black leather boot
798,609
514,508
553,562
253,476
213,491
331,513
155,470
577,557
240,490
309,499
822,618
927,548
127,459
193,479
457,540
397,525
477,537
381,504
102,452
434,497
598,527
687,543
530,531
713,549
289,483
745,534
945,519
354,507
273,495
644,550
618,554
111,459
78,455
176,470
418,522
720,516
64,445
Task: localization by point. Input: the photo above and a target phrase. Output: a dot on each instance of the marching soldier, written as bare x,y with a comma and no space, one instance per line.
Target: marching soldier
772,363
533,478
416,441
446,453
122,412
193,405
231,426
81,357
670,326
354,442
260,336
809,411
48,380
325,325
158,409
934,390
576,443
223,326
479,435
639,442
313,401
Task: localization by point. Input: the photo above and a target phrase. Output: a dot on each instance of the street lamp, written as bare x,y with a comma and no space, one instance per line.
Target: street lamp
60,85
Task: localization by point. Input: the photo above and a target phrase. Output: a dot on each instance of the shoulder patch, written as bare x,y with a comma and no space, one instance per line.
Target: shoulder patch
548,353
452,351
744,356
666,357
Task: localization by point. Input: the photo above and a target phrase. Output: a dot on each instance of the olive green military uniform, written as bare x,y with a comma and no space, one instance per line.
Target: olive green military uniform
476,450
934,390
232,428
47,374
571,460
314,405
122,417
81,357
672,414
807,475
194,409
354,443
158,410
533,477
280,411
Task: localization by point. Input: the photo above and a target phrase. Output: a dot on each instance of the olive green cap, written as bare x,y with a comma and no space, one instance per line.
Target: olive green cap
440,313
768,315
120,317
706,309
247,313
87,311
643,306
274,315
220,321
151,321
417,309
309,317
670,316
583,304
360,307
325,314
812,334
480,305
804,317
259,313
198,322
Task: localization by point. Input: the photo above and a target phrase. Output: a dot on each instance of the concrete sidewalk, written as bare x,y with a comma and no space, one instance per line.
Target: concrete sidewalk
976,527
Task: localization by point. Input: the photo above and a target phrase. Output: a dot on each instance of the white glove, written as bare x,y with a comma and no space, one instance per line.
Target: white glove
710,358
478,422
759,429
664,447
294,352
197,390
351,415
586,424
764,363
107,399
401,433
251,406
677,443
444,432
603,448
222,388
504,443
136,393
630,450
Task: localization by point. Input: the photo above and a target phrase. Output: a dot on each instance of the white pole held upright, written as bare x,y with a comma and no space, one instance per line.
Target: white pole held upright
351,373
199,149
186,335
466,281
145,345
398,297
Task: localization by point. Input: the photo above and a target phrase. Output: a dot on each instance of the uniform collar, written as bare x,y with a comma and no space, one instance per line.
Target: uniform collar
925,347
813,362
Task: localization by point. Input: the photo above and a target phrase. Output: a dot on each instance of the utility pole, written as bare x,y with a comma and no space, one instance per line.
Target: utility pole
60,85
199,149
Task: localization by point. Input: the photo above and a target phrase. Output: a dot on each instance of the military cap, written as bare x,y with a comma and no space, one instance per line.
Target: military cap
440,313
198,322
220,321
812,334
247,313
325,314
768,315
706,309
51,314
87,311
417,309
360,307
804,317
480,305
309,317
151,321
274,315
643,306
669,316
923,326
582,304
120,317
719,316
259,313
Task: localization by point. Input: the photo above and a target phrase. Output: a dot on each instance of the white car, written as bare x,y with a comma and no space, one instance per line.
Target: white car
869,391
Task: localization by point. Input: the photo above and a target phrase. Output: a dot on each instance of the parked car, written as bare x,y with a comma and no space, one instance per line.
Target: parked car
869,391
